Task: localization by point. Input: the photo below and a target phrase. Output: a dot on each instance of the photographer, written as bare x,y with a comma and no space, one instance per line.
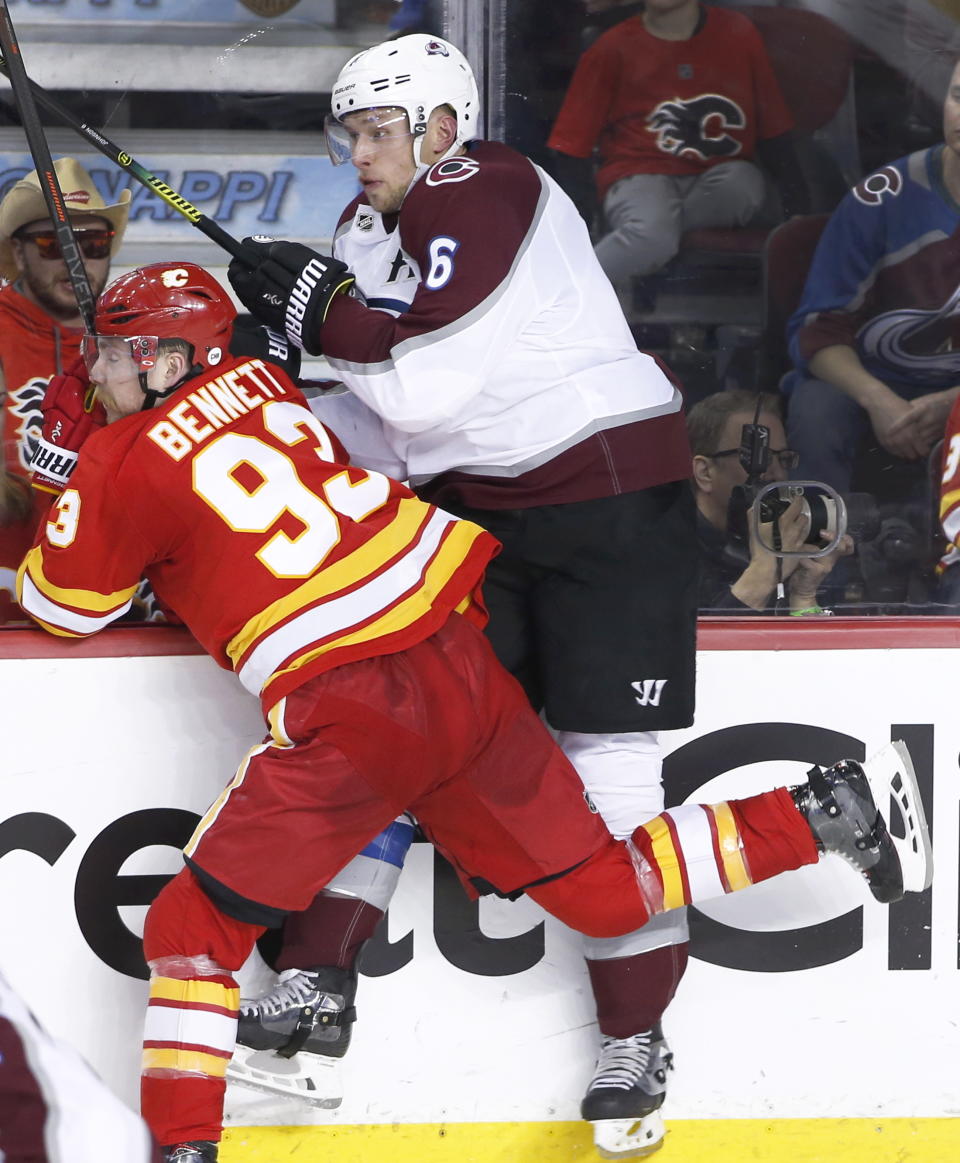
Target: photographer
740,579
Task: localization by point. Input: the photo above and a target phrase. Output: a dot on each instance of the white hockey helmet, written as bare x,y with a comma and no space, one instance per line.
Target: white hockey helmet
415,73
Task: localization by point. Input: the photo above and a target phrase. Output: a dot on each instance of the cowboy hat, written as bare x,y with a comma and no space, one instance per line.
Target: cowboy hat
24,203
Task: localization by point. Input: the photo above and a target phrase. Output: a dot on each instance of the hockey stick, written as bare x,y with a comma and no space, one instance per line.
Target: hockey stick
206,225
46,174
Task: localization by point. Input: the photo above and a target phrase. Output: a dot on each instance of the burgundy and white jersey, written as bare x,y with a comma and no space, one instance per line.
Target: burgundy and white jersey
493,346
52,1106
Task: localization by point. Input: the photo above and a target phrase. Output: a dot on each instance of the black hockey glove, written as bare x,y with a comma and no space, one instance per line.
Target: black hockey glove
289,287
258,341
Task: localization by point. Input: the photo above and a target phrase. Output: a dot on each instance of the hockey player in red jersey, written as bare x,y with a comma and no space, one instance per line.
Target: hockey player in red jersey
351,609
949,567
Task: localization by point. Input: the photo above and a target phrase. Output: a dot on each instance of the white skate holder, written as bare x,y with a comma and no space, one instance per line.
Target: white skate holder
628,1138
890,774
310,1078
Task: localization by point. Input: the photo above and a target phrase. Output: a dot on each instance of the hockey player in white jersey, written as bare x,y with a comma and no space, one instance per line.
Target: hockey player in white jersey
465,310
53,1108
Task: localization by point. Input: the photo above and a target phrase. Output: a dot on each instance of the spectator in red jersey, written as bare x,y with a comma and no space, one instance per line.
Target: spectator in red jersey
40,329
679,100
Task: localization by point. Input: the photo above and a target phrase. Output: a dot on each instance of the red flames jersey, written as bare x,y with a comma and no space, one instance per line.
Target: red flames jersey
950,488
241,511
33,348
658,106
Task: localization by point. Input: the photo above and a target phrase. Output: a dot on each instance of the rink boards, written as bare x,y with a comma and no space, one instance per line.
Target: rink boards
805,1003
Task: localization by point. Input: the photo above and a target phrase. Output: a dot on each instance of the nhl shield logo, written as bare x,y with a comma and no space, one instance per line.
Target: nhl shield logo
364,222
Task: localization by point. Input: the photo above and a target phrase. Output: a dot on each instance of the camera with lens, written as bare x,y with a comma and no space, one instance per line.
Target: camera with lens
762,504
895,548
824,511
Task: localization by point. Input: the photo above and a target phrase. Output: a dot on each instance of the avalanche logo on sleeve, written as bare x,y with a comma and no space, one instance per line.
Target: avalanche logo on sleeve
698,126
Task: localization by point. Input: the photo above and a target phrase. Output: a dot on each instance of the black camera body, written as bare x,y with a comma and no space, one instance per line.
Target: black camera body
823,511
893,552
827,513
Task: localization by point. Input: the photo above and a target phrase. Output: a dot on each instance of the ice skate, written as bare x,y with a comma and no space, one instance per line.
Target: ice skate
193,1152
844,807
626,1093
289,1041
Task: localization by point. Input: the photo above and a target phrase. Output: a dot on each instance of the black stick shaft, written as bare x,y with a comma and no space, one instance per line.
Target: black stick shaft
47,175
120,157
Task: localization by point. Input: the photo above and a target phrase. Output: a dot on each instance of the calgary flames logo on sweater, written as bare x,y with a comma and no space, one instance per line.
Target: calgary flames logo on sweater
23,422
697,126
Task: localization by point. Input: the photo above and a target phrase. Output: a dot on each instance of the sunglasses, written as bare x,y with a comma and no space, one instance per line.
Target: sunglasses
92,243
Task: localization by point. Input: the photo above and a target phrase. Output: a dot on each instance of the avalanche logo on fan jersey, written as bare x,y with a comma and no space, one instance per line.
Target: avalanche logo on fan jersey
885,182
698,126
918,343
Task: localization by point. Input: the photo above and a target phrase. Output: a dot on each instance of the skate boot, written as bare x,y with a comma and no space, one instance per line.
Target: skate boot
290,1040
844,808
195,1152
626,1093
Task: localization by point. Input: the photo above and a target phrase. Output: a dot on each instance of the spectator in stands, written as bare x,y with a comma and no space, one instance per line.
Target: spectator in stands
743,580
679,100
875,340
416,16
603,14
40,329
931,37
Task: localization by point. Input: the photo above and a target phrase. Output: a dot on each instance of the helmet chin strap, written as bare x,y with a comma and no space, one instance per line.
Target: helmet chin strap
150,397
422,167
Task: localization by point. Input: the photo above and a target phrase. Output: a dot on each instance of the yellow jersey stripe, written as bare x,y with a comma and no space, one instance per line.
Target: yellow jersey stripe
215,808
334,620
188,990
948,500
668,861
275,722
357,567
184,1061
728,839
447,561
88,600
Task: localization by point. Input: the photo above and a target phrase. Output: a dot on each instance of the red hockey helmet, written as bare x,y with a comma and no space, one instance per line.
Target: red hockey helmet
168,301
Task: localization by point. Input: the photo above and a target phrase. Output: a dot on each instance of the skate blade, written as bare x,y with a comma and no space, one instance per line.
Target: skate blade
310,1078
890,773
629,1138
